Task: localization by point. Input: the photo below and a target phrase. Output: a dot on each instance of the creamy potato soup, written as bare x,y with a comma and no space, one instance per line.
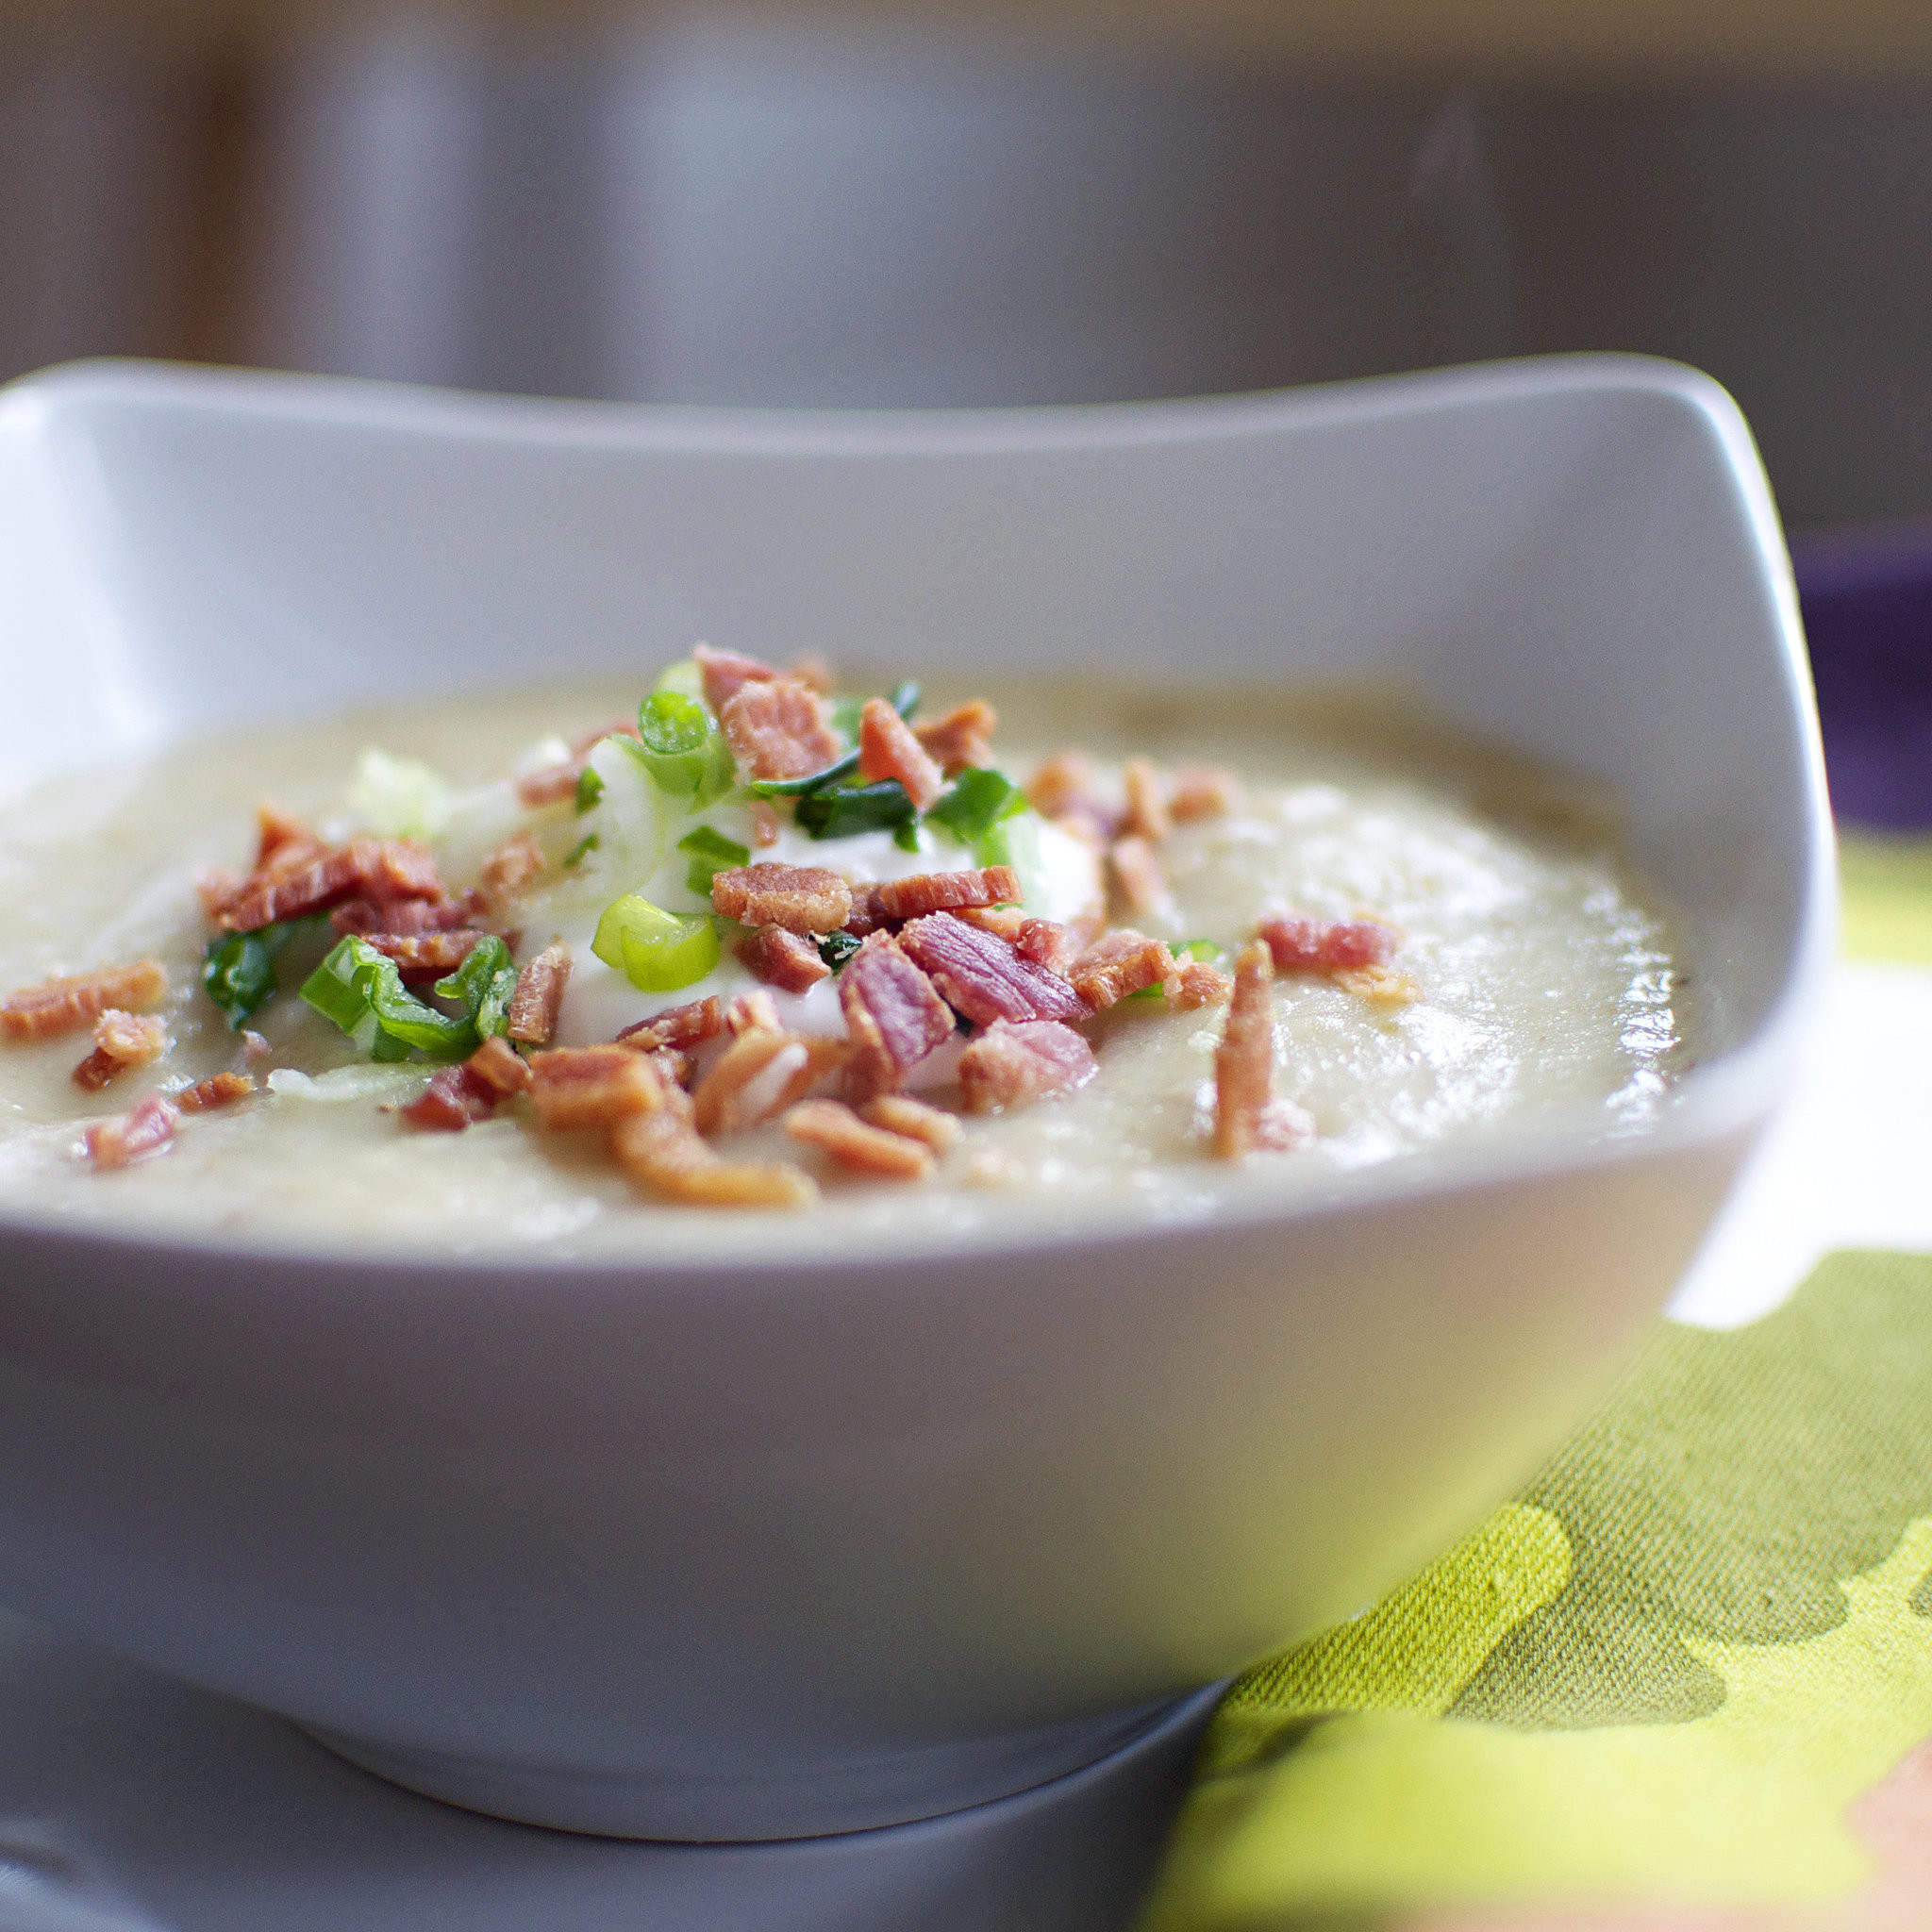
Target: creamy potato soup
765,960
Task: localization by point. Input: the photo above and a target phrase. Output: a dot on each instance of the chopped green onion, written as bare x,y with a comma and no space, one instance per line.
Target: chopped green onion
682,748
657,950
845,717
362,991
239,970
976,801
844,810
905,701
590,788
1204,950
582,849
711,852
482,984
834,948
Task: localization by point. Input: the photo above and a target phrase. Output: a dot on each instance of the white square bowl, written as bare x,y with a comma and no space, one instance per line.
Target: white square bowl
783,1545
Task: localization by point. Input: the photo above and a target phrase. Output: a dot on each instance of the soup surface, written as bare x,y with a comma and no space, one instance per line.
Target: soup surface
1528,976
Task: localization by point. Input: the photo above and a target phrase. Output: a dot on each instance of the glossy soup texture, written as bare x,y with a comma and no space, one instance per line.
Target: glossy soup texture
1548,982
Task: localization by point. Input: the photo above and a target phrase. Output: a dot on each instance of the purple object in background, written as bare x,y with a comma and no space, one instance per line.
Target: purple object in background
1867,597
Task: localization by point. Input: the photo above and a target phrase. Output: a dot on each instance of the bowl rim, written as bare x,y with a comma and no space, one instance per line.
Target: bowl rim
1726,1098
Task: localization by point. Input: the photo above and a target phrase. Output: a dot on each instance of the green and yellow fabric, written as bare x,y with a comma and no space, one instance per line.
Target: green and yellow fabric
1684,1679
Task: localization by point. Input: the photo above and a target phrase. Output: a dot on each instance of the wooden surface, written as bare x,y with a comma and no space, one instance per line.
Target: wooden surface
1795,42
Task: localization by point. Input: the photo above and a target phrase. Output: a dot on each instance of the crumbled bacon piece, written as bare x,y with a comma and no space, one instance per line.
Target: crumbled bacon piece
867,915
888,749
753,1011
1135,872
725,672
1049,944
510,869
778,730
1146,816
800,898
962,737
538,995
427,955
760,1073
283,842
674,1066
944,891
62,1005
1248,1117
686,1025
783,960
364,868
980,975
1299,944
1193,984
1008,1065
591,1085
835,1129
1062,790
1381,986
146,1127
1121,963
1201,791
458,1095
218,1090
1003,922
662,1150
121,1040
894,1014
814,669
767,827
901,1114
399,918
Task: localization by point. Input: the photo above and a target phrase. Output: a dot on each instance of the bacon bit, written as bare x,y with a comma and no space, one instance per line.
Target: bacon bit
761,1075
427,955
1381,986
1008,1065
399,918
62,1005
783,960
867,915
216,886
778,730
510,867
675,1067
121,1040
1248,1117
1299,944
725,672
814,669
1146,815
553,784
1049,944
894,1014
662,1150
899,1113
366,868
962,737
146,1127
766,825
1062,790
944,891
218,1090
456,1096
591,1085
1135,872
1201,791
687,1025
800,898
283,842
888,749
754,1011
1196,984
1003,922
833,1127
538,995
255,1049
983,977
1122,963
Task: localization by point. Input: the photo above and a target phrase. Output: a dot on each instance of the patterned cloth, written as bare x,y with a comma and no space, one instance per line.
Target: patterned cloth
1683,1682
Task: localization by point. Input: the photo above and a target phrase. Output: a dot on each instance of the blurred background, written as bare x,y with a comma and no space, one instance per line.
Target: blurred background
1026,201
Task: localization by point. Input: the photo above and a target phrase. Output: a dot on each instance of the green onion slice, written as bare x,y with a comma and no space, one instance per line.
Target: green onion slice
239,970
362,991
905,701
657,950
590,788
711,852
842,811
681,747
582,849
976,801
482,986
834,948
